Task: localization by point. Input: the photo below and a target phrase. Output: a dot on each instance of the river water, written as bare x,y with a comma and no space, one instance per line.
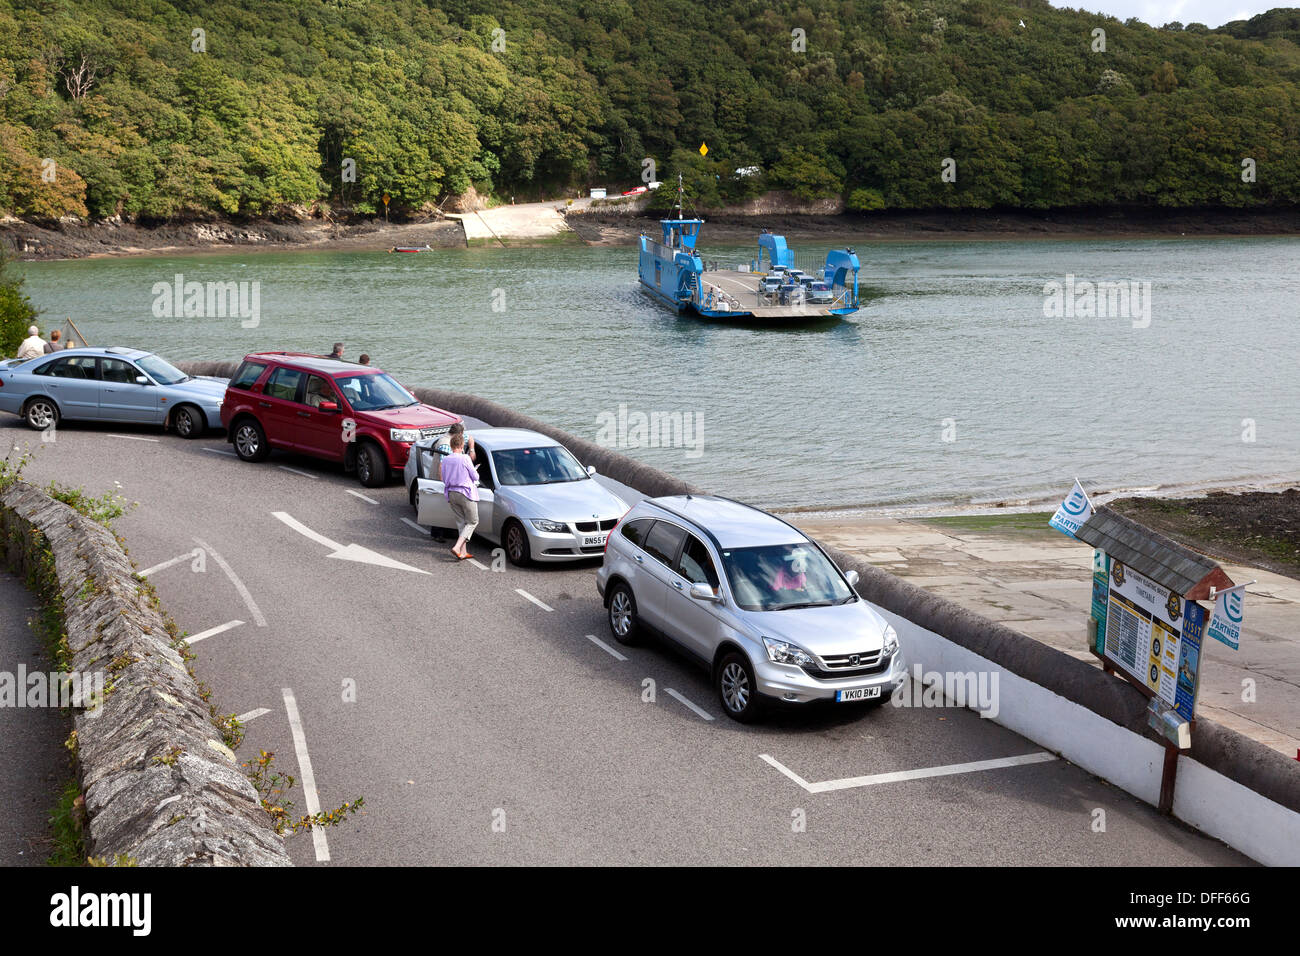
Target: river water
950,389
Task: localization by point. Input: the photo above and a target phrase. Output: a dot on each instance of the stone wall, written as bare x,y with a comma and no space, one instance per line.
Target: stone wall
160,786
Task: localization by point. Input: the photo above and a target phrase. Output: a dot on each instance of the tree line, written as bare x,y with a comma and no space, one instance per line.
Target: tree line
157,110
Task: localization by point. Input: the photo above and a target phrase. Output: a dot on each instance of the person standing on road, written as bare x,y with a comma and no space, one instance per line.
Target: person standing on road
460,483
54,345
338,351
364,359
33,346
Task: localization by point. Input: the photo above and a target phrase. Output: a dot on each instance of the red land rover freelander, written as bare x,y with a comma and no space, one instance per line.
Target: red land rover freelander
329,409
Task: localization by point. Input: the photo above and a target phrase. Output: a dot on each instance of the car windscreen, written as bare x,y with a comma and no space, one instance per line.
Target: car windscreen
782,577
373,392
161,371
537,466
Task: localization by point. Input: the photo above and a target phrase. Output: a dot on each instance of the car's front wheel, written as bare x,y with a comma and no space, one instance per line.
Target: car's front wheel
415,497
41,413
250,441
517,551
623,623
188,421
737,689
372,469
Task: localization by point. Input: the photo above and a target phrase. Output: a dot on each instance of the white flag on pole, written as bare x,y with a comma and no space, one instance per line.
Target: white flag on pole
1229,609
1074,511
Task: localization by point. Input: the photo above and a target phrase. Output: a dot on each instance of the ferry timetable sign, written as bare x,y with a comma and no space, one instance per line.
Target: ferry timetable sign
1155,636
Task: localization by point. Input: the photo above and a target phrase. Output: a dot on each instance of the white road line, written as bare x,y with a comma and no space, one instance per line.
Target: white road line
253,609
253,715
422,530
221,451
522,593
134,437
787,771
188,556
295,471
699,710
901,775
478,564
370,501
305,773
352,552
605,647
212,632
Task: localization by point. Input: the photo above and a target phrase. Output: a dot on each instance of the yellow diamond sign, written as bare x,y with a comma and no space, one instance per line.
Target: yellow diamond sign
704,149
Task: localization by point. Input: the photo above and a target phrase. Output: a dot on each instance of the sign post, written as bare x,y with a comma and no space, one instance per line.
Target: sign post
386,198
1146,625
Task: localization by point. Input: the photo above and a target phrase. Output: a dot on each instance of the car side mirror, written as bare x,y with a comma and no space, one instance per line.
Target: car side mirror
591,471
702,592
141,380
853,578
329,406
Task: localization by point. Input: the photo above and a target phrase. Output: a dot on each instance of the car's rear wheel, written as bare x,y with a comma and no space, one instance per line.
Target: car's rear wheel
188,421
623,623
41,413
517,551
372,469
737,689
250,441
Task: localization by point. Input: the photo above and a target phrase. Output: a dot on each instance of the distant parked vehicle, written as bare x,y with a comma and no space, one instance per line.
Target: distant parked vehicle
326,408
535,499
110,385
635,192
750,597
819,293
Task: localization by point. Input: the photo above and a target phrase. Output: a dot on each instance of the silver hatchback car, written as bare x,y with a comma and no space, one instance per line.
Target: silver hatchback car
753,599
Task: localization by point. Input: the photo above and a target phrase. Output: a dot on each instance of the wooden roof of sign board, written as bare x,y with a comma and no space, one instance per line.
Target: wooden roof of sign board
1162,559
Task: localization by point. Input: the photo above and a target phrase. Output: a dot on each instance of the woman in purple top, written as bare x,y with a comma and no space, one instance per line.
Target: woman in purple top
460,481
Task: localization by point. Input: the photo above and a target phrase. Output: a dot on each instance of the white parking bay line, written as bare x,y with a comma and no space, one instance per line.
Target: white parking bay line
522,593
212,632
410,523
358,494
478,564
221,451
899,776
699,710
605,647
189,555
134,437
305,773
253,609
295,471
253,715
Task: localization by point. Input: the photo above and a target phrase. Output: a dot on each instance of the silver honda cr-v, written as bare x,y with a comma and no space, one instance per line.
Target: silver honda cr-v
750,596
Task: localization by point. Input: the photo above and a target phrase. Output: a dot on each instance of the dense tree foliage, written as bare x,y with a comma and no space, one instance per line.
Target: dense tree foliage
155,109
17,314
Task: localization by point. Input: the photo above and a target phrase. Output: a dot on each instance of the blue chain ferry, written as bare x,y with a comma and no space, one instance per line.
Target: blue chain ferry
673,272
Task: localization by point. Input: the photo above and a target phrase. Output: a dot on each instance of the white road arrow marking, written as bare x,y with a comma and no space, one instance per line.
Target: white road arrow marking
351,552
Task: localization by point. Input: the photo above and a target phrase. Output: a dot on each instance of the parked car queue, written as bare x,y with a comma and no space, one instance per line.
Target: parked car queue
748,596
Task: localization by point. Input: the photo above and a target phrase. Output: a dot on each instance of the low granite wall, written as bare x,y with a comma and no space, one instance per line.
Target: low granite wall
160,786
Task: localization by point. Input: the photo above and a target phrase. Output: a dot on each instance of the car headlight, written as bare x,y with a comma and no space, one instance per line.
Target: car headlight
891,640
404,434
782,652
553,527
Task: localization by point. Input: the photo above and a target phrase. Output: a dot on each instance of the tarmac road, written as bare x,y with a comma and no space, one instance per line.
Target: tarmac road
486,727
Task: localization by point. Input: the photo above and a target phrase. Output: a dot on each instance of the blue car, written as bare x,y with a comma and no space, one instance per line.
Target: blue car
109,385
